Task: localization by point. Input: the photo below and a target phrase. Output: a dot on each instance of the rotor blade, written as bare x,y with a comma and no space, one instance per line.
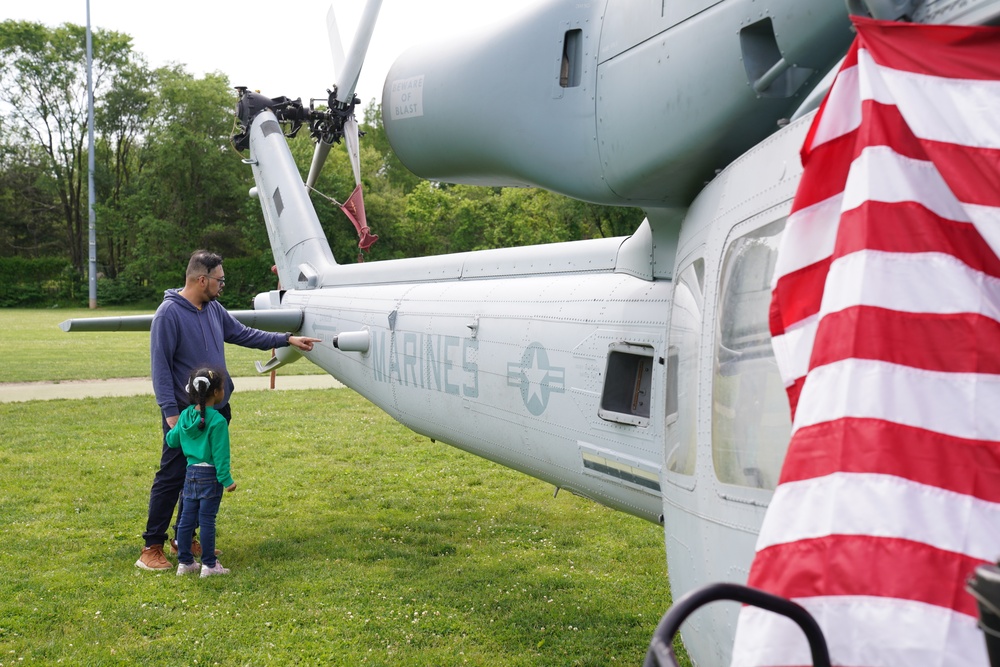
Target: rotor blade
336,43
319,157
353,149
348,80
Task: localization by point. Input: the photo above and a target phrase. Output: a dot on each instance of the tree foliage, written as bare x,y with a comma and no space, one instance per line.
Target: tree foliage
43,79
168,180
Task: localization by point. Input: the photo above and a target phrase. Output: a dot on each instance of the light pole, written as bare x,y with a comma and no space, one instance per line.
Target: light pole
92,235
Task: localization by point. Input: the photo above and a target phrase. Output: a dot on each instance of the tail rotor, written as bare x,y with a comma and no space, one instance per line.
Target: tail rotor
342,101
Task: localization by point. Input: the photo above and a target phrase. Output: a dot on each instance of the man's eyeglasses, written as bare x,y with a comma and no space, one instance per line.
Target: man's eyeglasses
222,281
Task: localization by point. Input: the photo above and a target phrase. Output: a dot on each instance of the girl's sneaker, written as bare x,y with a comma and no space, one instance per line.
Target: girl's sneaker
217,569
183,569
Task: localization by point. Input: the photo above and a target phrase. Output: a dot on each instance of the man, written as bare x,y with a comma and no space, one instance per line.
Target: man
188,331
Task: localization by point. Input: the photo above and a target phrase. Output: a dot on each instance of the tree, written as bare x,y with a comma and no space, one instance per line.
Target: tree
435,218
389,166
120,121
193,189
607,221
29,214
43,81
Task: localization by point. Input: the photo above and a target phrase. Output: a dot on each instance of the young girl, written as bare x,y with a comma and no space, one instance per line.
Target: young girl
203,435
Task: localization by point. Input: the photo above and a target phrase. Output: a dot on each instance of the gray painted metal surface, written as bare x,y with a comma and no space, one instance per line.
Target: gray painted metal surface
662,100
273,320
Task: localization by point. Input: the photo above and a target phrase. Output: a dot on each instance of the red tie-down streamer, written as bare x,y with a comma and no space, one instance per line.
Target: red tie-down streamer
354,209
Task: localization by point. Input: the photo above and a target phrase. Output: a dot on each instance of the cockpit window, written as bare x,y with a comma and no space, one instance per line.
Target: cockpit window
750,416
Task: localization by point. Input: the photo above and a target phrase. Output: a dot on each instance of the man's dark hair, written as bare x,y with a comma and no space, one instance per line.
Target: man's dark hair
202,262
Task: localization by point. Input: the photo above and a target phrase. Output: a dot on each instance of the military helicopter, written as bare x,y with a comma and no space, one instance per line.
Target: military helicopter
635,371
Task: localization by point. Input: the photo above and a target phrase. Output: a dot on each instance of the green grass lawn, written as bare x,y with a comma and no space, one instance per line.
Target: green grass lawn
35,349
351,539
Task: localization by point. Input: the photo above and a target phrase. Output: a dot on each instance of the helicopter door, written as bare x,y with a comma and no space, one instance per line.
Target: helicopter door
683,529
682,373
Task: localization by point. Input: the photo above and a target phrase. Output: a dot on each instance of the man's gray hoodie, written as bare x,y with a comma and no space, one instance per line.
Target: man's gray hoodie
183,338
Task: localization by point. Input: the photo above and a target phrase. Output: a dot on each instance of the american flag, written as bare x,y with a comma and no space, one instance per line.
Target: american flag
885,319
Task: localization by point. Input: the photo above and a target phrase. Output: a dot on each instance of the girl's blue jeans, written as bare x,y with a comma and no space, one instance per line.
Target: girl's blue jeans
200,499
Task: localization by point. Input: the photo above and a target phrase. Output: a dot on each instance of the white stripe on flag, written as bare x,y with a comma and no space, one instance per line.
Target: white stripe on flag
909,634
926,282
963,112
963,405
809,237
881,174
793,349
987,222
842,111
907,510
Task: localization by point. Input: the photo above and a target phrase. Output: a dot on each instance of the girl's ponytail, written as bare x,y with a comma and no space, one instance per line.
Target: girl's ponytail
202,383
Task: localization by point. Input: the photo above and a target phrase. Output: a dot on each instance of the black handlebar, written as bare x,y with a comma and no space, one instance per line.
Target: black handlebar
661,651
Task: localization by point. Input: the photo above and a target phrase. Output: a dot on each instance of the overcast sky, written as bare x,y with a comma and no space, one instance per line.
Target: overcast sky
279,48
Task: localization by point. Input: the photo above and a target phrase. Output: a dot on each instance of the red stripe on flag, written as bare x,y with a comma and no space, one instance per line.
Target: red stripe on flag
953,342
818,185
794,391
908,227
955,52
797,296
856,445
972,174
892,567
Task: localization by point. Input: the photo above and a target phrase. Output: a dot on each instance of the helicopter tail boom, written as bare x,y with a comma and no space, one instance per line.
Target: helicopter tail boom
301,251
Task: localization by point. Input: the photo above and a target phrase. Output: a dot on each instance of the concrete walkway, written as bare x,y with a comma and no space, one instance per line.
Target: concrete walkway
13,392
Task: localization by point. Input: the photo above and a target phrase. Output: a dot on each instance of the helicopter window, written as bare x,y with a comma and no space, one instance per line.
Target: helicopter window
572,59
672,355
627,383
682,369
750,416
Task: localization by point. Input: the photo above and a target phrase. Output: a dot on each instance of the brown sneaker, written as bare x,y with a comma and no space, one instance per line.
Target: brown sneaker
152,558
195,548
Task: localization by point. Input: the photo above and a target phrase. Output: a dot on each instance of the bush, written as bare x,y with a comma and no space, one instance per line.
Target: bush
124,291
49,281
246,277
36,282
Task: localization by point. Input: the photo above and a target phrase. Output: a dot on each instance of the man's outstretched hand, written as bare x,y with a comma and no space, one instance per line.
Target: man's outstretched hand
303,343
